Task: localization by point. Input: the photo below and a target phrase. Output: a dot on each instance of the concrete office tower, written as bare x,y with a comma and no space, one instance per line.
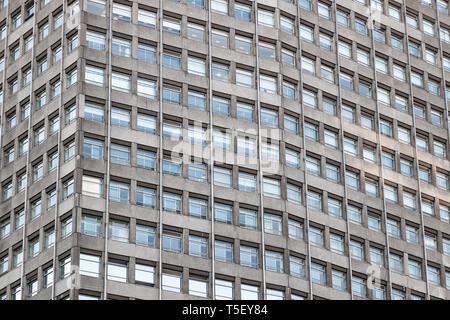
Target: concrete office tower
225,149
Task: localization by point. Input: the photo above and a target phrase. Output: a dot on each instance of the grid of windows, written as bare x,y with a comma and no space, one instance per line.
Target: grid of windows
133,151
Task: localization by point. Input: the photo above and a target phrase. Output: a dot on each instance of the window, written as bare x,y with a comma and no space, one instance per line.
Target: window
247,218
268,84
223,213
247,182
428,27
222,177
147,19
219,38
144,274
318,273
316,236
293,193
172,165
431,56
412,234
220,6
118,231
440,149
198,246
145,236
272,224
344,49
121,82
434,275
431,241
242,12
442,180
5,229
198,286
354,214
266,50
171,282
145,197
357,250
90,265
327,73
95,76
172,202
397,42
244,78
274,261
314,200
306,33
336,243
146,53
409,200
117,271
360,26
273,294
414,49
93,149
249,292
374,223
379,35
96,7
343,18
196,100
338,280
172,60
221,106
376,256
270,151
335,208
197,172
393,228
309,98
223,251
313,166
297,267
363,57
224,290
406,167
346,81
245,112
119,192
243,44
271,188
91,225
295,230
326,41
38,171
220,71
415,269
287,25
66,227
249,256
19,218
266,18
324,10
95,40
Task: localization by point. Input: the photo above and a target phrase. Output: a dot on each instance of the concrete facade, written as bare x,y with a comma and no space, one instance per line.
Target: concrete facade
328,178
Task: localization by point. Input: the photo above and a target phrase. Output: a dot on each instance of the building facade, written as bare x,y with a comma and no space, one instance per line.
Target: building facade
224,149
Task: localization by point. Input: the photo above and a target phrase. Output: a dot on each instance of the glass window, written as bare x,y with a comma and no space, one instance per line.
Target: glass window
274,261
145,236
171,242
249,256
223,251
198,246
147,19
223,213
144,274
